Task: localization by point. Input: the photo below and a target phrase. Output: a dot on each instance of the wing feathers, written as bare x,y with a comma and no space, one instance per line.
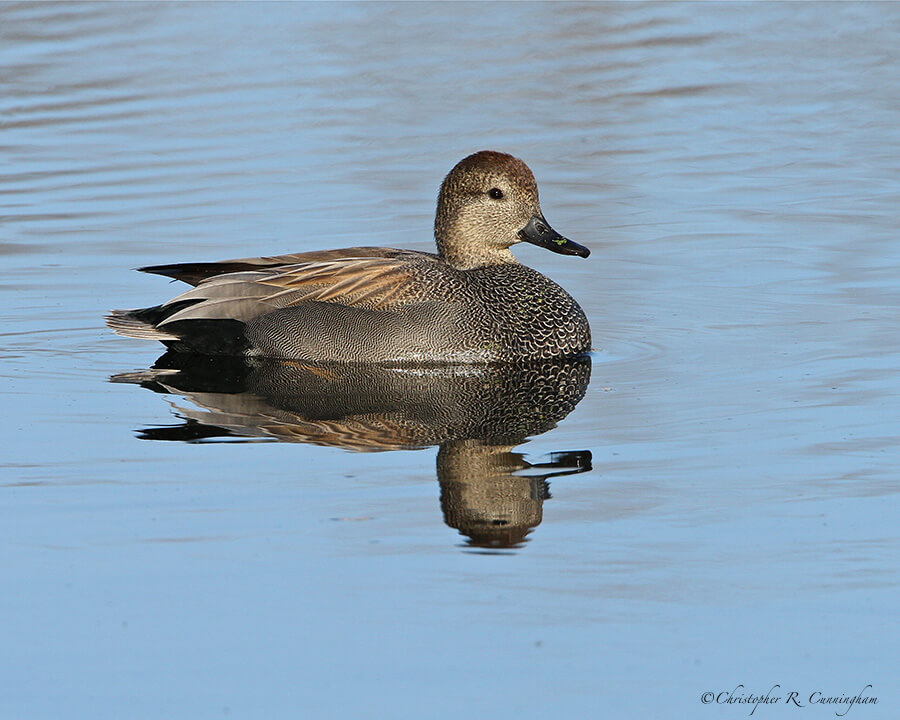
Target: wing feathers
196,273
368,282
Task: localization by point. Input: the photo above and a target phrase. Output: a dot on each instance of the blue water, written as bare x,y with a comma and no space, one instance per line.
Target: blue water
733,168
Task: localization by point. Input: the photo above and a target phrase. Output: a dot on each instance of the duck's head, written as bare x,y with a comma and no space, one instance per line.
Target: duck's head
487,203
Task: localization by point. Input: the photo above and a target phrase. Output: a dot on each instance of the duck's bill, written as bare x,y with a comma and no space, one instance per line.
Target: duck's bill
538,232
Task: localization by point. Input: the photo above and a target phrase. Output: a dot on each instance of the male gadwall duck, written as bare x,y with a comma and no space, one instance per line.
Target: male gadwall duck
471,302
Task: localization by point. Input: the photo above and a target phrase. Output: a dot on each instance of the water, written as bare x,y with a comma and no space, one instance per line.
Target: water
734,170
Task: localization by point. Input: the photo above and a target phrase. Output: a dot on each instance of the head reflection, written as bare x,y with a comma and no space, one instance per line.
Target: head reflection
484,498
476,415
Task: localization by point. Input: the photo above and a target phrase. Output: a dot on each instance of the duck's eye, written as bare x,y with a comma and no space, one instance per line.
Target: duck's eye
495,193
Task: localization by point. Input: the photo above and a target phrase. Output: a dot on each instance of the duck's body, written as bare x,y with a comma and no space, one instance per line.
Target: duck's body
471,302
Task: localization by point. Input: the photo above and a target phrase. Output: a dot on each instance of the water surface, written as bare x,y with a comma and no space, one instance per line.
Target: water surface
734,170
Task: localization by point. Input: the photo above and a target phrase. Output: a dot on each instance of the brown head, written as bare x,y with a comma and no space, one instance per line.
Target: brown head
487,203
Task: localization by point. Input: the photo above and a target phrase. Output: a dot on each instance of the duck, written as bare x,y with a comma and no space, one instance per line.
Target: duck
471,302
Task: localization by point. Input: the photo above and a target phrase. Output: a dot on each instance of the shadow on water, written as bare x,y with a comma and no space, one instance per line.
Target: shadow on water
476,415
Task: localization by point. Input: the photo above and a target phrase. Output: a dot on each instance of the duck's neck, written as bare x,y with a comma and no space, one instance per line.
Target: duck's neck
466,256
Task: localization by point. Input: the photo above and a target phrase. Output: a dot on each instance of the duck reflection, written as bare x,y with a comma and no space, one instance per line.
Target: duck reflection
477,415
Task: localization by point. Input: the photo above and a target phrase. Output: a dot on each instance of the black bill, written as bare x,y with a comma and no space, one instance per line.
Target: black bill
538,232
